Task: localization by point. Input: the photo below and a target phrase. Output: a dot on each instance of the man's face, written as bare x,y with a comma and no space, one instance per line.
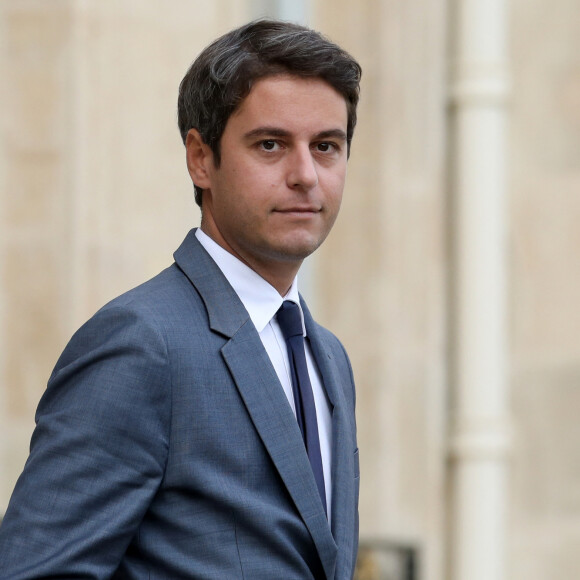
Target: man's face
277,191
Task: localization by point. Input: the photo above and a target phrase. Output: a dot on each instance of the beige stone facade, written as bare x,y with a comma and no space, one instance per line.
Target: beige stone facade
94,198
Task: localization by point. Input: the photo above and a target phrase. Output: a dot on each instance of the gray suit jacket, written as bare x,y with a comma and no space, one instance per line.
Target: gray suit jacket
165,447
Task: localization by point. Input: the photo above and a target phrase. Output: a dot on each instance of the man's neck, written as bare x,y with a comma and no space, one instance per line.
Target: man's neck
279,274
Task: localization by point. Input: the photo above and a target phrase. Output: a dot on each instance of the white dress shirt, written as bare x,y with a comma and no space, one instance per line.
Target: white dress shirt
262,301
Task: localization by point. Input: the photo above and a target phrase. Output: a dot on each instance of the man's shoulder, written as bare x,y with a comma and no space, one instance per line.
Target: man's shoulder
317,330
325,334
166,289
149,316
324,337
173,286
156,303
162,297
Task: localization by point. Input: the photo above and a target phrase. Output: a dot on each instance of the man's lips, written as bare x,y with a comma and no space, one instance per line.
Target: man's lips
298,209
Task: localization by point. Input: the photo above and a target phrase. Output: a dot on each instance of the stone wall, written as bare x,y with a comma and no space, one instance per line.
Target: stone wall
545,304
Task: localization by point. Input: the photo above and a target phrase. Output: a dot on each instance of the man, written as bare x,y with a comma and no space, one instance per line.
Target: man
178,436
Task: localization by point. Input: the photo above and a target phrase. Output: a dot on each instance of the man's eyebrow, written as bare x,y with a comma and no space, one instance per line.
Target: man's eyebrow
278,132
332,134
266,132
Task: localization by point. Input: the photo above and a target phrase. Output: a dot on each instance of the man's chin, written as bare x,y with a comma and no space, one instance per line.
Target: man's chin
298,251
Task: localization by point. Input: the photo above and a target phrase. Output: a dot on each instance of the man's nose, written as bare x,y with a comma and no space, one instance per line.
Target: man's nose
302,169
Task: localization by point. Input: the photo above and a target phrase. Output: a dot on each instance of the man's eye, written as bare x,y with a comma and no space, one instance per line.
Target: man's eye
268,145
325,147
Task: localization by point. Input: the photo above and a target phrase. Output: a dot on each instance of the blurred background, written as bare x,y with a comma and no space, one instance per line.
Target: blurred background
452,274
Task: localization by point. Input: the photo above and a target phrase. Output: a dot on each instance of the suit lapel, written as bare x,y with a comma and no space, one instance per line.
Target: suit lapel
273,418
261,392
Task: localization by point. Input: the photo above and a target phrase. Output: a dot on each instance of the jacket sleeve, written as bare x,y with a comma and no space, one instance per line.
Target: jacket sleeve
97,454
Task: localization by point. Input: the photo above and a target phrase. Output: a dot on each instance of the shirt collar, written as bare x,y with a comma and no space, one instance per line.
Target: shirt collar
259,297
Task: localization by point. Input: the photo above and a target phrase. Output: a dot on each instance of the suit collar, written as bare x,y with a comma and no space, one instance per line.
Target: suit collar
258,296
225,311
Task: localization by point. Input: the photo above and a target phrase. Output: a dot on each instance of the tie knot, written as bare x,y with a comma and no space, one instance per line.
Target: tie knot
289,319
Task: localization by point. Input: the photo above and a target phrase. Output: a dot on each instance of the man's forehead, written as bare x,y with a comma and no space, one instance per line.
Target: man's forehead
278,97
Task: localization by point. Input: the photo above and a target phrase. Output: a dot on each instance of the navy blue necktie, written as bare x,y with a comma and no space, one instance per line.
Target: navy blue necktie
290,323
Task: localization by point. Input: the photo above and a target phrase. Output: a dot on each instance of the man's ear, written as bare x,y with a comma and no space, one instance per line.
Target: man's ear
199,159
